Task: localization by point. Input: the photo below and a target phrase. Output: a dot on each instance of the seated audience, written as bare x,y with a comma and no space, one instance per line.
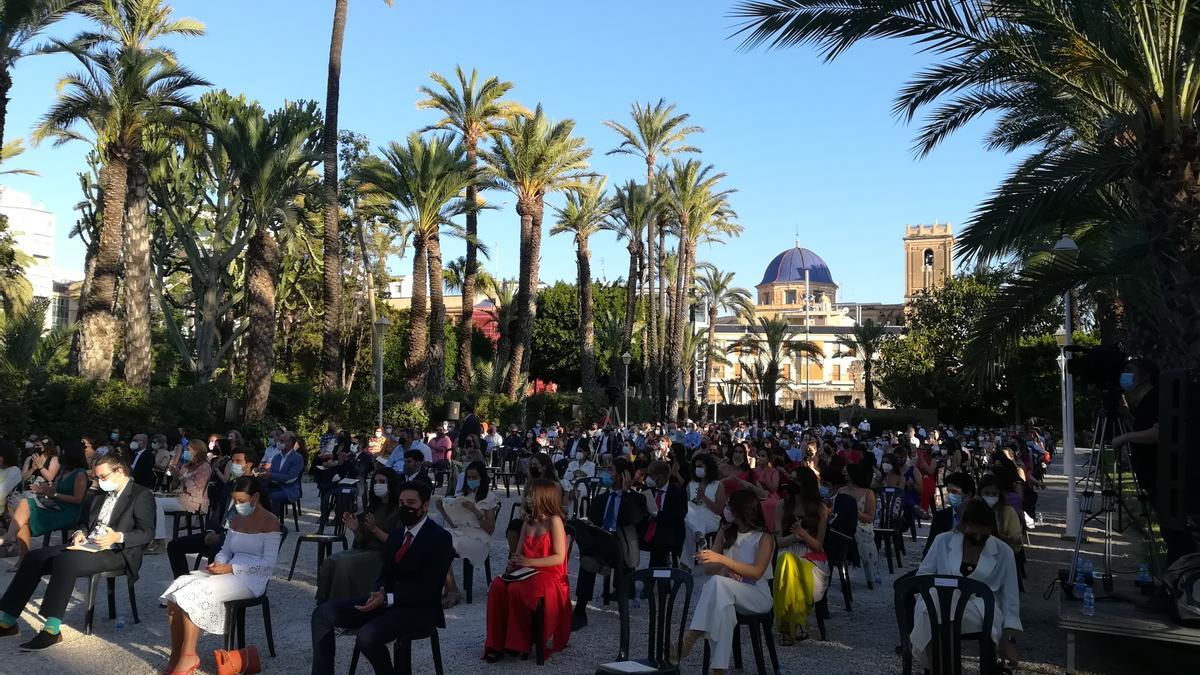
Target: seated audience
609,541
663,531
10,477
511,603
192,470
141,461
706,502
960,488
196,602
539,466
282,473
408,595
349,574
54,505
413,468
212,538
470,518
739,567
864,535
578,469
120,525
972,551
42,464
801,566
1008,522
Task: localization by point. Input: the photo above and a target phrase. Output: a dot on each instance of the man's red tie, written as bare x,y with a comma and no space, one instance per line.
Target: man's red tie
408,540
658,499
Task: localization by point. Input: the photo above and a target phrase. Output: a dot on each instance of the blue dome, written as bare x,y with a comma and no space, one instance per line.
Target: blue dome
790,266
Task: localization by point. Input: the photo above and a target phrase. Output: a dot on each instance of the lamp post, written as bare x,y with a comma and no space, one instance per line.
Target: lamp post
381,327
1067,250
626,358
807,338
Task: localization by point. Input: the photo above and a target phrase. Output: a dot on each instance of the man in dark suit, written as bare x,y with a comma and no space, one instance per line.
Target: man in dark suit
409,596
960,488
283,478
121,523
414,468
610,539
662,533
141,462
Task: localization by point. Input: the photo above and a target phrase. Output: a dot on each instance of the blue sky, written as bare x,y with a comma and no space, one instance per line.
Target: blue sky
808,145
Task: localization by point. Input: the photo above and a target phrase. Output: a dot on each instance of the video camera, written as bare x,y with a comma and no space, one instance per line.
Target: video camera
1099,367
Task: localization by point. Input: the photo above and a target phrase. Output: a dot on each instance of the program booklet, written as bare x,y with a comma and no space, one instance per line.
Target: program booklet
520,574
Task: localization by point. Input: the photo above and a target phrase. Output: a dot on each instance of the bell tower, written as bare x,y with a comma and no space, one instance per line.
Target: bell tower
928,257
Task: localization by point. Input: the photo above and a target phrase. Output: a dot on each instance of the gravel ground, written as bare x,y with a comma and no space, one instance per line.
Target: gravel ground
859,642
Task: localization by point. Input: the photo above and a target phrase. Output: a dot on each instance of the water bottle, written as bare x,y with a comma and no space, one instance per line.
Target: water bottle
120,623
1080,586
1089,602
1143,576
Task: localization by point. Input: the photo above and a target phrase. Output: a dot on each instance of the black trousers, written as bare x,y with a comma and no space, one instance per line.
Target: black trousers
596,543
64,567
661,546
376,630
179,548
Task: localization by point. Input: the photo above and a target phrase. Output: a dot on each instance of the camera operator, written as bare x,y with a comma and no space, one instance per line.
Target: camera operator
1139,410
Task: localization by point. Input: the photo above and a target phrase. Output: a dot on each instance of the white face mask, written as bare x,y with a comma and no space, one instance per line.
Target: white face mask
579,456
134,445
28,445
108,485
380,489
700,472
887,468
991,500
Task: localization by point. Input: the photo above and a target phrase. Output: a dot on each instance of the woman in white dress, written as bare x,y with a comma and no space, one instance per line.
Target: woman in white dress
706,502
739,569
973,550
196,602
579,468
470,518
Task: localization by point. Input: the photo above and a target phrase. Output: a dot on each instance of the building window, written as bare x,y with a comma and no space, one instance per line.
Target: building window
786,371
815,372
766,298
62,311
837,372
929,257
737,370
791,297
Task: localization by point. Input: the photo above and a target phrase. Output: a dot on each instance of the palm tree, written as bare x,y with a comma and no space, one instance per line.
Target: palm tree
634,207
20,22
720,295
865,342
273,159
1105,92
331,288
474,112
584,214
426,179
455,276
27,350
125,86
657,132
773,342
533,158
700,213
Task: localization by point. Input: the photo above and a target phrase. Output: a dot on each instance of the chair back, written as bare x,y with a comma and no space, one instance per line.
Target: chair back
890,505
946,598
345,498
661,586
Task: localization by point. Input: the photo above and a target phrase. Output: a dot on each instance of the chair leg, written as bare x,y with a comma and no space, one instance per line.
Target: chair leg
770,639
322,547
435,646
296,515
295,555
230,626
241,628
820,621
402,656
756,643
112,597
487,569
354,660
266,610
132,600
707,658
539,632
737,647
468,579
847,593
91,605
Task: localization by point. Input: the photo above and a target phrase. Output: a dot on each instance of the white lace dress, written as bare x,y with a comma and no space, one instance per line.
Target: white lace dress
203,596
469,538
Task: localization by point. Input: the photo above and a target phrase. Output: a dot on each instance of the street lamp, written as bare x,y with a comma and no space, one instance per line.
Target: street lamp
1068,251
381,327
626,358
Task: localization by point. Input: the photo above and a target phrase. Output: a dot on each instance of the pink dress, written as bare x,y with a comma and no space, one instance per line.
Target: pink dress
767,478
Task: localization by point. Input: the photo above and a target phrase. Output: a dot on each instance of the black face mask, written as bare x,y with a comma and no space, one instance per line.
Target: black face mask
976,539
409,516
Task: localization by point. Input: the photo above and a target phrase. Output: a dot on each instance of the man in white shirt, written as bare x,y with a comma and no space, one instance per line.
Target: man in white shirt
420,444
493,438
864,426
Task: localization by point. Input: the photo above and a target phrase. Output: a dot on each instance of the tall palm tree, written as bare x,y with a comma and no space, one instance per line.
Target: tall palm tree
426,179
474,112
331,288
274,159
864,342
720,295
20,22
125,85
700,212
773,341
634,208
1104,91
583,215
656,132
533,158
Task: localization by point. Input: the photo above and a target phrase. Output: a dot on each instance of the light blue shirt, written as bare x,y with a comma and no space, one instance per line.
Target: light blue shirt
691,440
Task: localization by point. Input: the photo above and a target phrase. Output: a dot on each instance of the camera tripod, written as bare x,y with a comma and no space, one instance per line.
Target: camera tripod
1111,492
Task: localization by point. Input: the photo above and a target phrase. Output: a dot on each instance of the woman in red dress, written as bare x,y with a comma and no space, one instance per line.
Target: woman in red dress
511,603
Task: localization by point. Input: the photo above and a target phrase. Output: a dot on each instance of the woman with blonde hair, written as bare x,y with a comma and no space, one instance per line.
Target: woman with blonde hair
192,471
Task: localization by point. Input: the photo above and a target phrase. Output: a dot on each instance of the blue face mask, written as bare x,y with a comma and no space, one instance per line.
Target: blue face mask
825,491
954,499
186,456
473,484
1127,381
606,479
244,508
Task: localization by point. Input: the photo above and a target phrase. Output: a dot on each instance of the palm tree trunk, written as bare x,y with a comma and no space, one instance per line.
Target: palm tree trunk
437,316
651,343
631,284
89,271
138,359
369,283
664,376
868,382
678,323
417,363
262,270
332,278
587,319
710,342
5,86
97,325
526,293
466,319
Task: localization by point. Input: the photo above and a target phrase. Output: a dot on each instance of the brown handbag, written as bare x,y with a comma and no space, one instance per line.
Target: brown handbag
238,661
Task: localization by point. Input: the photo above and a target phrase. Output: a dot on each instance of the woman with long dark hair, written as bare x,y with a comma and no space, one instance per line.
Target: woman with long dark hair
470,518
706,502
739,568
801,568
55,505
350,574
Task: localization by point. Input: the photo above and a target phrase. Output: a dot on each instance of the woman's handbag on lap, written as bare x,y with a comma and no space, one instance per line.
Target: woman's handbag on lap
238,661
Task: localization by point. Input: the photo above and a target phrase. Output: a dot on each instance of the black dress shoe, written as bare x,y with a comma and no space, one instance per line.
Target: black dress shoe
11,631
578,621
42,640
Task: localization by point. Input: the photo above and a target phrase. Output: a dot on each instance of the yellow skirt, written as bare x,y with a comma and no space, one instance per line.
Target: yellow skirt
794,591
